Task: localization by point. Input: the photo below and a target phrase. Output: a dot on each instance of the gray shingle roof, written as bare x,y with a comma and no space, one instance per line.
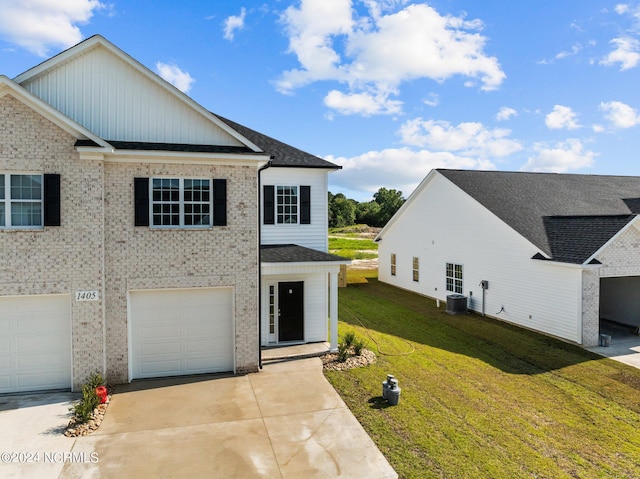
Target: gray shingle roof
291,253
283,155
569,217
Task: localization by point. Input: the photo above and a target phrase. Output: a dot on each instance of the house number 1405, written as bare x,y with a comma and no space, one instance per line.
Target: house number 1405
86,296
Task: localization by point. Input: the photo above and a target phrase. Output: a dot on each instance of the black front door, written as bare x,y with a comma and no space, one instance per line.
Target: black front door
291,311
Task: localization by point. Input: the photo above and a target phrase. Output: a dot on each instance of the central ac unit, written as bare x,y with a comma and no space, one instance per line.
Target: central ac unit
456,304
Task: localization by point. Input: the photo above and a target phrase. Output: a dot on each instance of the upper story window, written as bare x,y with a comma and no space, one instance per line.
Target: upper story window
454,278
286,205
180,202
21,201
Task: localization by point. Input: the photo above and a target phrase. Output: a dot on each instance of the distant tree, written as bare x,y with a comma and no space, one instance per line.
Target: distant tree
368,213
342,211
390,201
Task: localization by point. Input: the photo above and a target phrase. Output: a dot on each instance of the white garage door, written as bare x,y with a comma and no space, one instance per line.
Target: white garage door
177,332
35,343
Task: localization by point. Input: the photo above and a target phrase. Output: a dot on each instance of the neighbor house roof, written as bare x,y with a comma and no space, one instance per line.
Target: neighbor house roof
291,253
283,155
568,217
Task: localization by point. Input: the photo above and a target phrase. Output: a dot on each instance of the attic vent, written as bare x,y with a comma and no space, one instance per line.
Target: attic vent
456,304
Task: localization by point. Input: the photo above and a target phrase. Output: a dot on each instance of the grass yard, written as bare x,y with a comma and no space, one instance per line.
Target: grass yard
482,399
353,248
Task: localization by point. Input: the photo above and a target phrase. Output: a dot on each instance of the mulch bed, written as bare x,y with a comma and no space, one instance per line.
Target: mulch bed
330,361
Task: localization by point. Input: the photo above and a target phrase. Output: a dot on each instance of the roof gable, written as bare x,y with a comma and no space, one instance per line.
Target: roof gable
108,92
10,88
568,217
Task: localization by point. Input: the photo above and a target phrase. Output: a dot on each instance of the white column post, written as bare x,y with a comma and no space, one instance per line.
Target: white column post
333,310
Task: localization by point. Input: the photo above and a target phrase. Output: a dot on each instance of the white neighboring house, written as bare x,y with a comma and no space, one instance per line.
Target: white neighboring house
131,226
554,252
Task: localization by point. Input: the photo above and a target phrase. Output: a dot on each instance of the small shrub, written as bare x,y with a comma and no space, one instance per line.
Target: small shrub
343,351
349,338
358,346
83,409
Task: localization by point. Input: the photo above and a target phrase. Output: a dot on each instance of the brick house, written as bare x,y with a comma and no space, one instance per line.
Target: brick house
129,230
551,252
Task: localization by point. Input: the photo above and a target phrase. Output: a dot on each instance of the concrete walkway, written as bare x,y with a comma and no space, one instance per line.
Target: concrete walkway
286,421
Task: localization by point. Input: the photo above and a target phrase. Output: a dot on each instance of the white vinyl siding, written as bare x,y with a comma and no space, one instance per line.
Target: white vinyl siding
109,97
35,343
536,294
312,235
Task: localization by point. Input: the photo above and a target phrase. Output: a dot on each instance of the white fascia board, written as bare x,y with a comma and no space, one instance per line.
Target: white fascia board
99,40
412,198
634,222
9,87
183,157
567,265
302,267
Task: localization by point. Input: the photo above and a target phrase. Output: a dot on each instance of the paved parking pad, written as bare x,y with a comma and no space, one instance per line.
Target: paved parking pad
31,441
286,421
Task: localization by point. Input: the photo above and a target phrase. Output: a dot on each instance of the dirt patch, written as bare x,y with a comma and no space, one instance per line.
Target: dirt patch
364,264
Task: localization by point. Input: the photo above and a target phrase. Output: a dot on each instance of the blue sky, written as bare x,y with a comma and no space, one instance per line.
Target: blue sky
388,89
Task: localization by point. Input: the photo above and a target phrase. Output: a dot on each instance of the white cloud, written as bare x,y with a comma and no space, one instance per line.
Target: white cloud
575,49
562,117
39,25
433,99
233,23
505,113
467,139
381,50
627,53
619,114
560,158
171,73
365,103
397,168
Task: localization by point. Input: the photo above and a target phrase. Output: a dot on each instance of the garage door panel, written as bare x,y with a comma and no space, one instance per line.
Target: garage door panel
191,333
148,350
35,343
160,368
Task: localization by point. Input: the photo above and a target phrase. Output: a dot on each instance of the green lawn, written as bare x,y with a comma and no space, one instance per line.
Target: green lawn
482,399
353,248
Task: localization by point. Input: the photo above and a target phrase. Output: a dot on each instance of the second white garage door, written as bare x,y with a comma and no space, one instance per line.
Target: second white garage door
178,332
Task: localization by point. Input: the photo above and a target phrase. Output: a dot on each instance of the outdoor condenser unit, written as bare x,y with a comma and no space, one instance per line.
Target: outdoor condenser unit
456,304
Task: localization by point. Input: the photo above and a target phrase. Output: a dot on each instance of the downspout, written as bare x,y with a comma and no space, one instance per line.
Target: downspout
262,168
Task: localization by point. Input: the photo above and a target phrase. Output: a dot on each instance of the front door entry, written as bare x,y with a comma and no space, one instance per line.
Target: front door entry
291,311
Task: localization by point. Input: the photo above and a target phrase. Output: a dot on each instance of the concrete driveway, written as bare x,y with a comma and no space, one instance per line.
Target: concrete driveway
31,440
286,421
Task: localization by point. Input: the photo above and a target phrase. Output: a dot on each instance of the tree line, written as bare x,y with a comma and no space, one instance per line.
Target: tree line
347,212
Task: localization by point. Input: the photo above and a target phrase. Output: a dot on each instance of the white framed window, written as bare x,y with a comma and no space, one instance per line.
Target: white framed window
393,264
180,202
21,203
454,278
287,205
416,269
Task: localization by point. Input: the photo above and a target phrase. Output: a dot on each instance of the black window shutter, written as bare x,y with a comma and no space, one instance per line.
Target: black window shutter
219,202
305,205
269,207
141,201
51,200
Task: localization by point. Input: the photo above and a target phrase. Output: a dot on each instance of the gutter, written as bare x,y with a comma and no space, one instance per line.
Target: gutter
260,170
